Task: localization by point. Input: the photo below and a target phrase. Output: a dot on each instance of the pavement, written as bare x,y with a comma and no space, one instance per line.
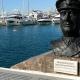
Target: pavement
15,74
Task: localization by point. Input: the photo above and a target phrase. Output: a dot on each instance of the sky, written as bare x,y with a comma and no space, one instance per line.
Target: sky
22,5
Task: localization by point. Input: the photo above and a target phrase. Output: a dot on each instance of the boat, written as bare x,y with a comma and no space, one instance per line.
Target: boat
3,20
14,20
44,21
28,21
56,19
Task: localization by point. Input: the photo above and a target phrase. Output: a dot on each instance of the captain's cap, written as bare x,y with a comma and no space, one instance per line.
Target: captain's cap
73,4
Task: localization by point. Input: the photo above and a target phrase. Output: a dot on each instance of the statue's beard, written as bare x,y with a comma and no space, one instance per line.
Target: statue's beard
73,44
68,32
66,29
72,41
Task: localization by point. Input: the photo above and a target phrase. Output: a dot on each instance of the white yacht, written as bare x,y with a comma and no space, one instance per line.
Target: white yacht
56,19
44,21
14,20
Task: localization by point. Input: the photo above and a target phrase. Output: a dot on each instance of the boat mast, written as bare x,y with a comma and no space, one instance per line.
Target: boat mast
28,7
23,6
2,9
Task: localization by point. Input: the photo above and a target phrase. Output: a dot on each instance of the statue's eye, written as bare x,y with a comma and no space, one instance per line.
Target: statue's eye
63,12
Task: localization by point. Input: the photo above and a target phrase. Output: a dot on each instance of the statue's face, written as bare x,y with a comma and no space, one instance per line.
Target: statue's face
70,22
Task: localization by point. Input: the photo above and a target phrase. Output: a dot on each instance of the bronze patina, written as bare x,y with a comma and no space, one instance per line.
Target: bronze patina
69,17
69,11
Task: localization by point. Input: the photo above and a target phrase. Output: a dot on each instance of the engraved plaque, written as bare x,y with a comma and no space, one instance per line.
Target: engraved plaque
66,66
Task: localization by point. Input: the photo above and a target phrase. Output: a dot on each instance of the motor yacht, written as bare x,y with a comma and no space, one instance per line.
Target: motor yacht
56,19
14,20
44,21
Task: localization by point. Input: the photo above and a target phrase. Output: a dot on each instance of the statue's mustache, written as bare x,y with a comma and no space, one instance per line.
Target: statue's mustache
66,28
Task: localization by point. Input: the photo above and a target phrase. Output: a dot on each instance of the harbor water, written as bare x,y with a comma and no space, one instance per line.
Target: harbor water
19,43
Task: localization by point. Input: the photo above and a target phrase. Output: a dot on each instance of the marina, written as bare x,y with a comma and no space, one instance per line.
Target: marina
37,17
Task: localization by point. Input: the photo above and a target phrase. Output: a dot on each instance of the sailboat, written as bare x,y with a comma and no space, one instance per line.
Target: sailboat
28,20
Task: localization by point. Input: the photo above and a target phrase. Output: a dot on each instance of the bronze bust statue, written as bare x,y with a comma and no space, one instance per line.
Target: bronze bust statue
69,17
69,45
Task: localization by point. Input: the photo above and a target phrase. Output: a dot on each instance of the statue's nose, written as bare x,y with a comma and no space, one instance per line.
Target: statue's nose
67,16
